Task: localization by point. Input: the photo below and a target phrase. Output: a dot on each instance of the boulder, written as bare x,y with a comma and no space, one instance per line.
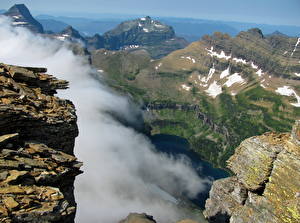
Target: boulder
267,182
138,218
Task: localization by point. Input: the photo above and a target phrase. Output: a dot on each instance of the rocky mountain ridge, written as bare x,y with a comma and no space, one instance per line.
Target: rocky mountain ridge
38,131
69,34
266,184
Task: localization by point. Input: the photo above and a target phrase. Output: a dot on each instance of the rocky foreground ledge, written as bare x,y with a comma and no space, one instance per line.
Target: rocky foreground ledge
266,185
37,134
265,188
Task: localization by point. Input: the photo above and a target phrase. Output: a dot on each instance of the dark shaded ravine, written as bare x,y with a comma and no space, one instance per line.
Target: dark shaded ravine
175,145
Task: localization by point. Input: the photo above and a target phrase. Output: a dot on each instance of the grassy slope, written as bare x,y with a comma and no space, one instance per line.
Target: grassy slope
251,112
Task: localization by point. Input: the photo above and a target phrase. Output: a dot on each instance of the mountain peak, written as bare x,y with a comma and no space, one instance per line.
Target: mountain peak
70,30
69,33
256,32
147,18
22,17
19,9
142,31
277,33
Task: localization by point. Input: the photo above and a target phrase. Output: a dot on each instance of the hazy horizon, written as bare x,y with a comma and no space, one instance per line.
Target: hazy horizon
273,12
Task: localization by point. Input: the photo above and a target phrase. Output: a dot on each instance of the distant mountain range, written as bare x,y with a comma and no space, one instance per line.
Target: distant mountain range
144,33
190,29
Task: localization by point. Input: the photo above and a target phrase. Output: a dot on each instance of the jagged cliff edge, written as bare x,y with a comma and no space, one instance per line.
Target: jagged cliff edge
266,185
37,135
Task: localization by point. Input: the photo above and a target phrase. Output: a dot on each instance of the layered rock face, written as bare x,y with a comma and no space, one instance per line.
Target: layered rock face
266,188
29,108
37,166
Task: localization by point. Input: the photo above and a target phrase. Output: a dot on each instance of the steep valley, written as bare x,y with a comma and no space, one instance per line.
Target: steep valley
215,92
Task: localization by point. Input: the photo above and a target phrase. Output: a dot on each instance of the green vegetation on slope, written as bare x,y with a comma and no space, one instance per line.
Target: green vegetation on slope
214,127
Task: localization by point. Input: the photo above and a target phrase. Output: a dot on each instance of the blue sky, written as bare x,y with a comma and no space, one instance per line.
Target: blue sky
281,12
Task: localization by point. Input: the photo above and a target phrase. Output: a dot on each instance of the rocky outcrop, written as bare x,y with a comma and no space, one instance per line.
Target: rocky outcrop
37,166
144,218
199,114
266,187
28,105
138,218
95,42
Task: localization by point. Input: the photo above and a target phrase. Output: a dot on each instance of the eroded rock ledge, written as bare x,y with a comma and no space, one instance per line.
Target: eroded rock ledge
266,188
37,134
144,218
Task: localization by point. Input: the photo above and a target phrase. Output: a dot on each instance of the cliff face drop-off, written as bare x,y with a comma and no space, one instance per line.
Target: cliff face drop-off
266,185
37,134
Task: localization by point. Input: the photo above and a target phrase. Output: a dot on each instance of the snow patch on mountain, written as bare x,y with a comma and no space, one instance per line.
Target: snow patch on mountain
254,66
239,60
297,74
189,58
158,25
214,90
131,47
158,66
145,30
298,41
263,86
288,91
225,73
260,72
234,78
187,88
210,74
221,55
19,23
61,38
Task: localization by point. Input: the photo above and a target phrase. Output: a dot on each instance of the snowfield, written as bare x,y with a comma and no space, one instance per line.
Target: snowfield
298,41
221,55
288,91
187,88
214,90
239,60
225,73
260,72
234,78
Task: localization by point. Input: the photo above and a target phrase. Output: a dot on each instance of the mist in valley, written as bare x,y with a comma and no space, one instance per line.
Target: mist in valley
121,166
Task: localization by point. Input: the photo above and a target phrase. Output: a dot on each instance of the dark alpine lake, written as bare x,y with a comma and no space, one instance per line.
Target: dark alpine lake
174,145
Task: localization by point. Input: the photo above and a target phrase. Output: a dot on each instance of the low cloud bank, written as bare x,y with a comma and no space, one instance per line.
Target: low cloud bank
120,165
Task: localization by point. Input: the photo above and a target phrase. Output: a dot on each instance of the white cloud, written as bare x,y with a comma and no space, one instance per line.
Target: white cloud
120,165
